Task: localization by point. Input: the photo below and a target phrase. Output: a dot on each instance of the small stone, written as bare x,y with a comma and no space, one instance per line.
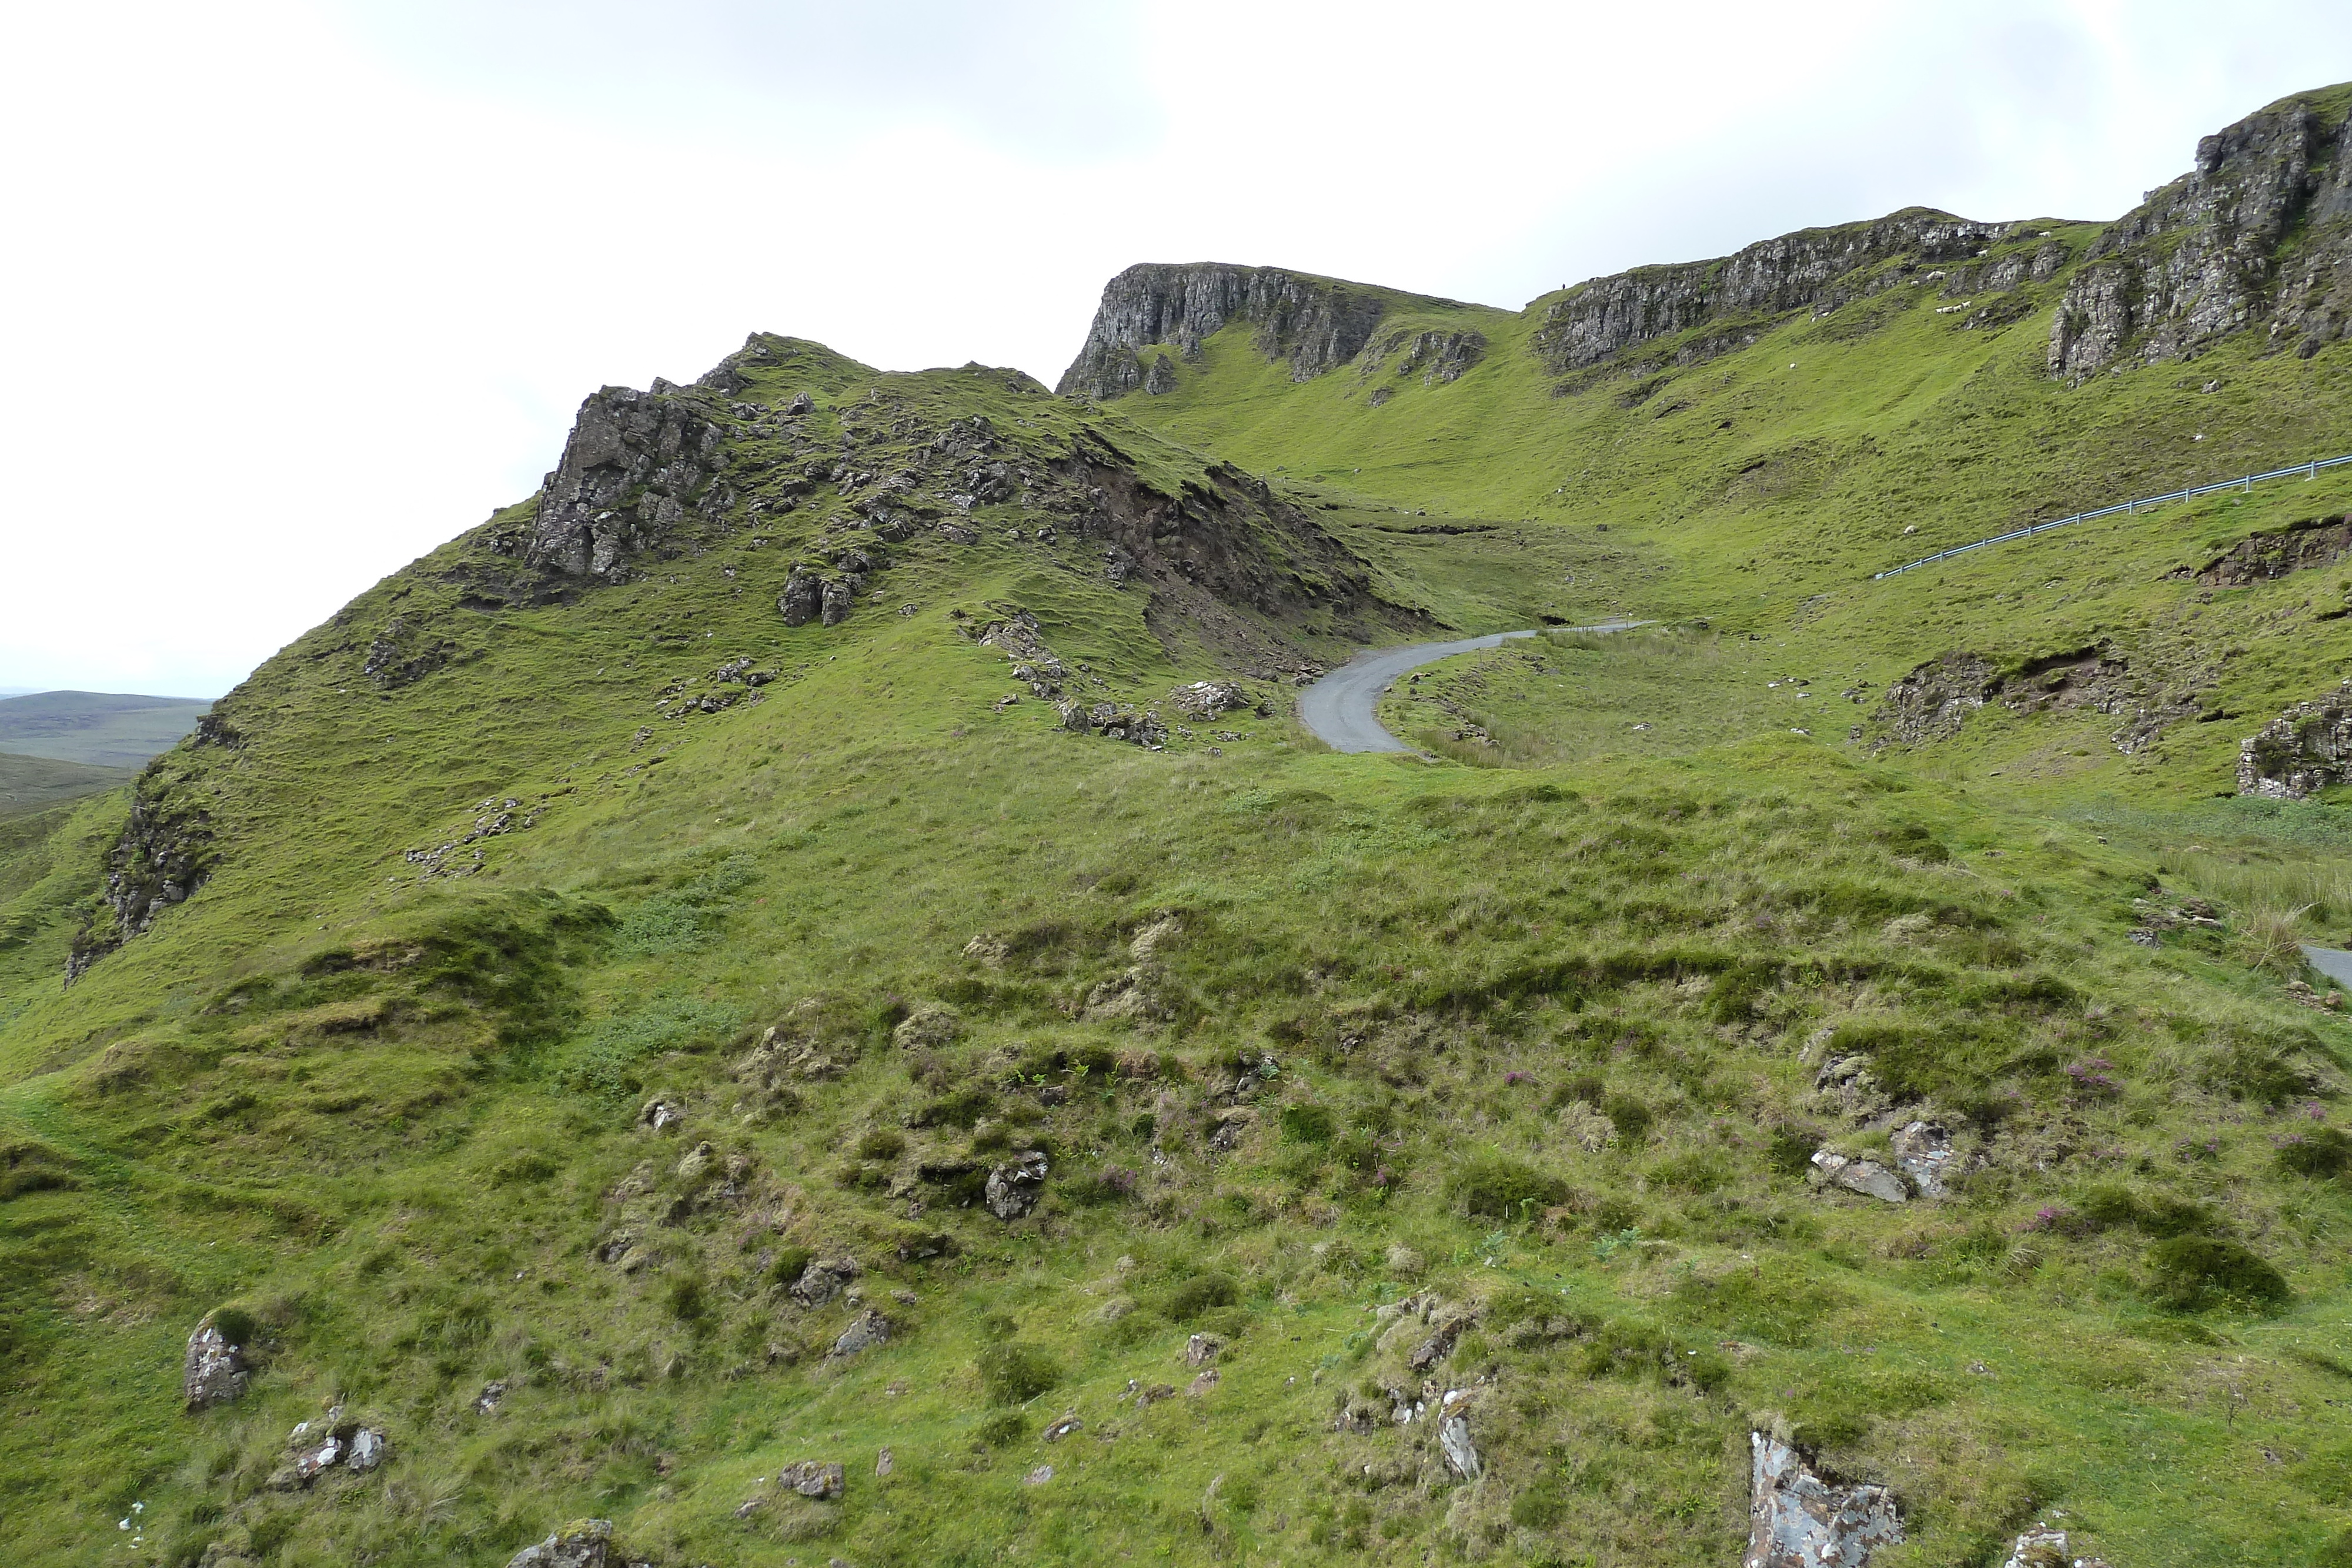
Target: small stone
883,1463
1454,1441
1202,1384
214,1371
1864,1177
488,1399
813,1478
368,1450
870,1329
581,1545
1063,1428
2040,1547
1201,1349
1038,1476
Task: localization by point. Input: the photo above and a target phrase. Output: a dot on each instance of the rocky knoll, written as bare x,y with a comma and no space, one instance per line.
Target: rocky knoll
2258,235
1815,269
1315,323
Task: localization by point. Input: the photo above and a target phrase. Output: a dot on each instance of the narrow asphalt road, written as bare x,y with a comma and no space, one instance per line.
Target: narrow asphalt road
2333,962
1338,708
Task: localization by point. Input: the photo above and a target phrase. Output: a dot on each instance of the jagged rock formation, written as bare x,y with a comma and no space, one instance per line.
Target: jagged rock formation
1797,1520
635,462
1815,269
162,857
2260,231
1315,323
2302,751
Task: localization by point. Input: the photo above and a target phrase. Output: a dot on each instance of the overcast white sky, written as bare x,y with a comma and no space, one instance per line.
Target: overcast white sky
291,293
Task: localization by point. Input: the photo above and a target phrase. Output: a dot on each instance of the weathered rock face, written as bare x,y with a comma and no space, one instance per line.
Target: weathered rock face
213,1372
580,1544
2261,558
2259,234
2301,752
1013,1189
2147,691
869,1329
1811,269
1923,1152
1796,1519
1315,323
162,857
635,461
1865,1177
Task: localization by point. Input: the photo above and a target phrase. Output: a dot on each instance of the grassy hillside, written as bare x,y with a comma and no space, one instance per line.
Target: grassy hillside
30,783
102,729
605,1038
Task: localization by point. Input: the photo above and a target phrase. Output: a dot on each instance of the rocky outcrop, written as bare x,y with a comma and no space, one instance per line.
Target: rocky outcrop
1797,1520
214,1371
2258,235
2261,558
1315,323
163,856
1867,1177
1013,1189
1815,269
582,1543
635,462
2302,751
2147,691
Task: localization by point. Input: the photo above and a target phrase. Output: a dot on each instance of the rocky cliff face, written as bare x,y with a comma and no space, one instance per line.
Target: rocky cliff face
1315,323
2258,235
635,461
1816,269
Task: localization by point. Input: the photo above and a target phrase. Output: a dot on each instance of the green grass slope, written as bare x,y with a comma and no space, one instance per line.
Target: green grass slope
31,783
551,1047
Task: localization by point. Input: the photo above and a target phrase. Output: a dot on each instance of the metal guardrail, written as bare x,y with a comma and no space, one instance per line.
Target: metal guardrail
2308,470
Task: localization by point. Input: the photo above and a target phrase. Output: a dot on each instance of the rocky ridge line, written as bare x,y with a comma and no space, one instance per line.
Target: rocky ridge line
1315,323
2260,231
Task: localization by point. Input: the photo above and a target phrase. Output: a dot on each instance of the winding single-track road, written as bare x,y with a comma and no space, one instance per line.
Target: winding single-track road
1338,708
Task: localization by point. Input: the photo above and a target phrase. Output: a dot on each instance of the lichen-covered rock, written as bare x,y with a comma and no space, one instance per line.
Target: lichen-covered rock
1453,1442
1205,700
214,1371
869,1329
823,1280
818,1479
1923,1150
1013,1189
1797,1520
1865,1177
579,1544
2302,751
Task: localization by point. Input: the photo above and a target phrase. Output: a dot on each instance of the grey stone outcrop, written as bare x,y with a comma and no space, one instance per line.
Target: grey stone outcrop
1812,268
2302,751
1797,1520
635,462
213,1372
1315,323
579,1544
2257,235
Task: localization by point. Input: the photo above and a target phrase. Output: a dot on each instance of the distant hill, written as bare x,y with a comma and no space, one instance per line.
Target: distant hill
29,783
105,729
